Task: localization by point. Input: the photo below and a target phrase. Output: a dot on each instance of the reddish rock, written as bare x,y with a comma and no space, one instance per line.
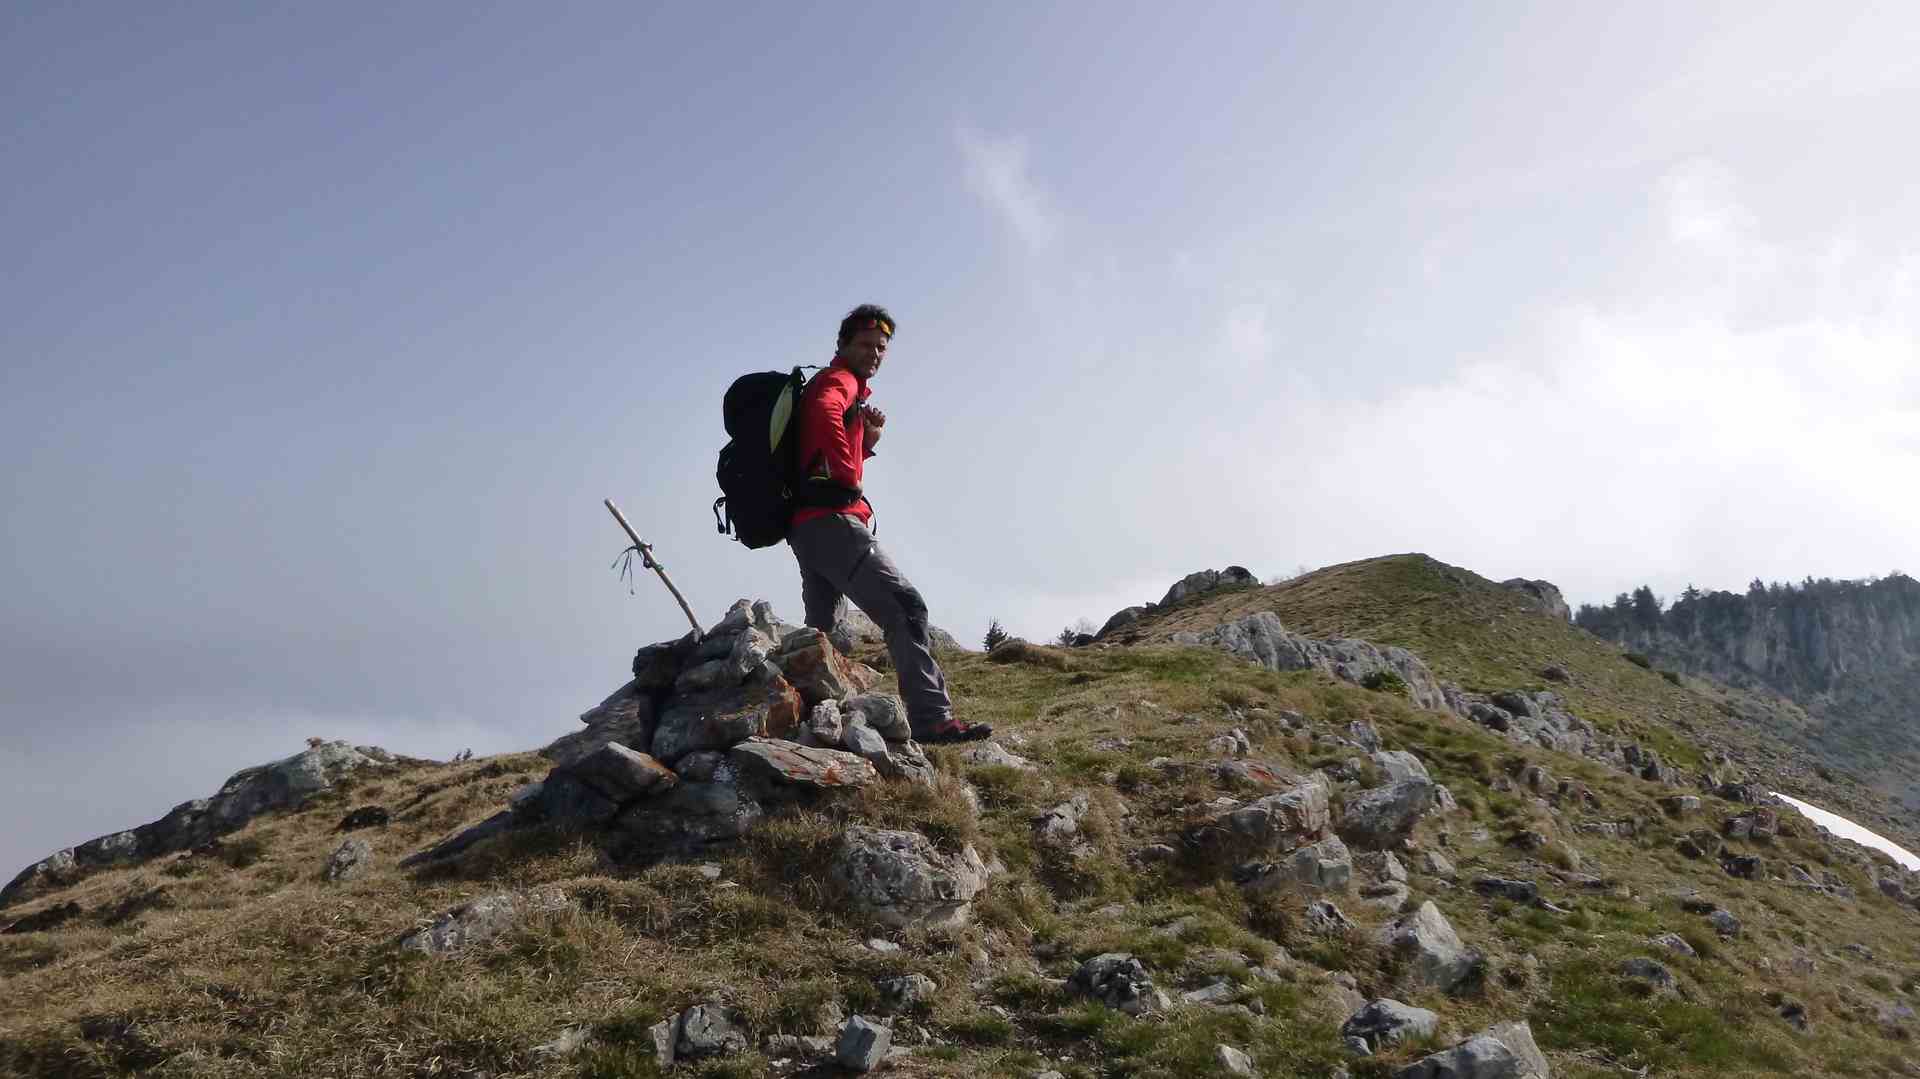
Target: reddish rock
767,764
816,669
621,774
786,710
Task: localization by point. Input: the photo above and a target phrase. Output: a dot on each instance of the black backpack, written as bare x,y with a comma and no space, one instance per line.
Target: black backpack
758,464
759,473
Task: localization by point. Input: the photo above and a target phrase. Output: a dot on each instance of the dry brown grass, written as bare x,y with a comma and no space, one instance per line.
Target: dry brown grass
259,969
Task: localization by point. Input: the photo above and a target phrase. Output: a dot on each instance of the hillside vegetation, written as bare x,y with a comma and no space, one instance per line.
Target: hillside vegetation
1612,914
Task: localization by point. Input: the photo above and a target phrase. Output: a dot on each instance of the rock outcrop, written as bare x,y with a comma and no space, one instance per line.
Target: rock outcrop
1262,638
899,879
1544,594
282,784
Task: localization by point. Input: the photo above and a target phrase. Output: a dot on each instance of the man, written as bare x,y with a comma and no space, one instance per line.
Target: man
831,535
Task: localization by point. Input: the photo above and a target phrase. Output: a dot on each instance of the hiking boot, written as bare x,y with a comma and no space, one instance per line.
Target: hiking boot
955,731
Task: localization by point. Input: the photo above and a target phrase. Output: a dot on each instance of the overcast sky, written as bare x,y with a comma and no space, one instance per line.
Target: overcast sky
324,328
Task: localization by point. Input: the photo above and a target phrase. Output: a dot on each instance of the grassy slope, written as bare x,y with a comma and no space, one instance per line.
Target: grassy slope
1486,638
258,969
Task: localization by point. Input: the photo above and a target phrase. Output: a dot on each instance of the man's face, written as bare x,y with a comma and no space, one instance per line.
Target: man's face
864,351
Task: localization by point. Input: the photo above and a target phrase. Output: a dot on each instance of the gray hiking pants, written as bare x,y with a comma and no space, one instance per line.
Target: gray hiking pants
839,561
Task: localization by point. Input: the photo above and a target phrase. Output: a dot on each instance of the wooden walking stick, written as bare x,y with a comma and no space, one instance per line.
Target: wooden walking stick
647,560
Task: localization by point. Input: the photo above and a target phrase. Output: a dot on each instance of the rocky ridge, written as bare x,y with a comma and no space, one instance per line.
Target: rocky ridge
1262,852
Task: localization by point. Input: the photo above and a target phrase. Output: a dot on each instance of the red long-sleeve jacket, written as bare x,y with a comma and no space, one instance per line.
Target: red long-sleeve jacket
834,441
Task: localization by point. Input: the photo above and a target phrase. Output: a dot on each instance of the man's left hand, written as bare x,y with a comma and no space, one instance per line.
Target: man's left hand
874,417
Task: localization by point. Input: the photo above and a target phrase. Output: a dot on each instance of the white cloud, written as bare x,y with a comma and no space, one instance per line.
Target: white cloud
1665,432
997,173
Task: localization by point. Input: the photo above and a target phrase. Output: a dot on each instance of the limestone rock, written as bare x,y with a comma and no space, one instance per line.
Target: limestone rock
1232,1061
1646,970
1117,980
906,992
1387,1022
899,879
282,784
690,816
563,797
1275,823
770,768
1674,943
995,754
1326,865
1263,639
708,1030
1382,816
1398,764
1249,773
700,766
1060,826
1543,595
350,860
884,712
620,774
656,666
893,760
1208,580
863,1044
1502,1051
479,920
1123,618
1234,743
712,720
826,725
1324,917
569,1041
1436,957
626,717
907,761
1518,891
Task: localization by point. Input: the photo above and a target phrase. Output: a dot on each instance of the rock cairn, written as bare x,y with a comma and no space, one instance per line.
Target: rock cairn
711,735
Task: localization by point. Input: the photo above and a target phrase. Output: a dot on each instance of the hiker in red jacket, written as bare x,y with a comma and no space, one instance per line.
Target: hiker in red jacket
831,535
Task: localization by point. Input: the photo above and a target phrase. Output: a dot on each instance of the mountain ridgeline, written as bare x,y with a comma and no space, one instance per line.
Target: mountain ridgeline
1848,652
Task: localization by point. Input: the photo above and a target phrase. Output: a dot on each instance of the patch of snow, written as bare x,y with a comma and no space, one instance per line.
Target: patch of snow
1846,829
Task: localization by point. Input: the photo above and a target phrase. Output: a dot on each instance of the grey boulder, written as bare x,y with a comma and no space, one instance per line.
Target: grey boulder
1277,822
349,860
1502,1051
690,816
626,716
884,712
1117,980
1382,816
1386,1022
480,920
863,1044
899,879
1435,955
708,1030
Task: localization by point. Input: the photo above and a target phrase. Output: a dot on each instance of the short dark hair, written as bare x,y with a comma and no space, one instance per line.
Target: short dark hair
866,316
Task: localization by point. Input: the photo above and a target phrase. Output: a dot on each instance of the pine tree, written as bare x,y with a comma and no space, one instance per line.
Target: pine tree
1646,609
996,636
